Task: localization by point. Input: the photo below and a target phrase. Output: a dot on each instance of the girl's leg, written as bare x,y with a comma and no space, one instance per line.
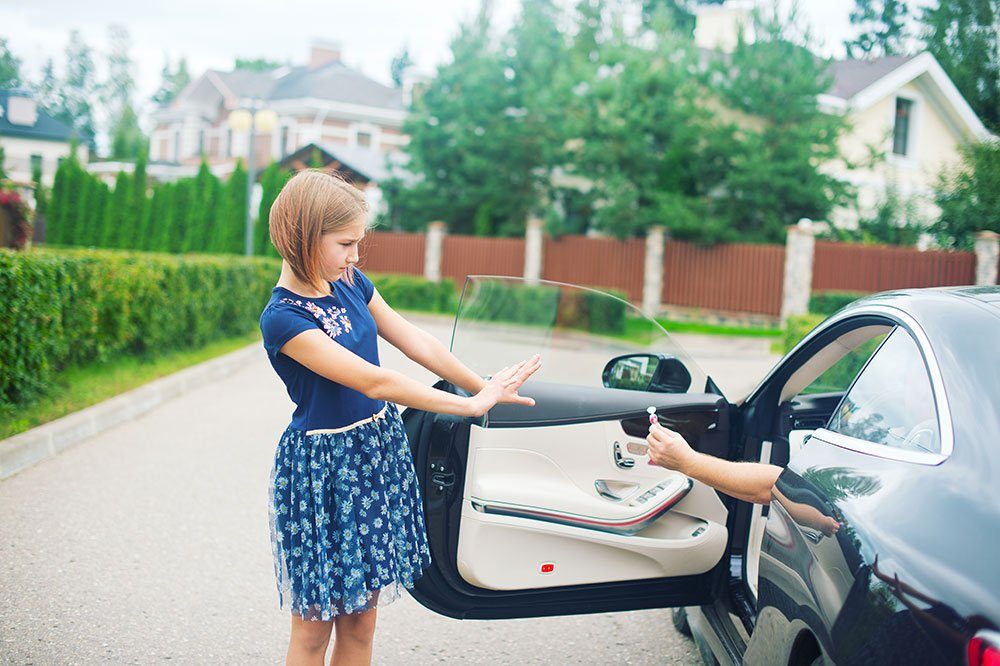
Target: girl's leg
308,642
355,632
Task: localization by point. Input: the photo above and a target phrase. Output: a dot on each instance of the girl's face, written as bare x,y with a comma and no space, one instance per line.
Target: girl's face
339,249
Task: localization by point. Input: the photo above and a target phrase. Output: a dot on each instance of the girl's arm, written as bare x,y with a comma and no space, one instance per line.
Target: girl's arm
421,347
318,352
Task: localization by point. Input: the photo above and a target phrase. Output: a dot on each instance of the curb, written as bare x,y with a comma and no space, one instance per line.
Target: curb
28,448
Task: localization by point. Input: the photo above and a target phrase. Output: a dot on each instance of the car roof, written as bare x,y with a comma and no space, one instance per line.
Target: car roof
927,300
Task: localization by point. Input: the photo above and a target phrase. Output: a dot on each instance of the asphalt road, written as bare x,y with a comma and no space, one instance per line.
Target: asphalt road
149,544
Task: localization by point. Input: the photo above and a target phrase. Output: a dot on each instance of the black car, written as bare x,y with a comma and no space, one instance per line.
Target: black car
880,544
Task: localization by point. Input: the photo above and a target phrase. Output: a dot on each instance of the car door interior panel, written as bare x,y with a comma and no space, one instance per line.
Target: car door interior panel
573,504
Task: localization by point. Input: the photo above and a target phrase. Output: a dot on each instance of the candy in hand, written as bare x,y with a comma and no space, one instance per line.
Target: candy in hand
652,415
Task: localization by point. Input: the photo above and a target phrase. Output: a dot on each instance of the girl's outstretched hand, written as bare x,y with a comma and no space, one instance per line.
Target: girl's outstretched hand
503,386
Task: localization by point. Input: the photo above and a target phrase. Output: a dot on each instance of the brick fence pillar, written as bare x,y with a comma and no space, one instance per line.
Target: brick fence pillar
987,254
533,249
434,250
652,275
800,245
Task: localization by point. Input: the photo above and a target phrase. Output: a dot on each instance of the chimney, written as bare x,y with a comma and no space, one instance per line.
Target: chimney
323,52
21,109
717,27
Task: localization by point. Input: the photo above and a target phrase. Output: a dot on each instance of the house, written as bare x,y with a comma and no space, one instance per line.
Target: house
904,109
908,109
324,101
364,167
30,136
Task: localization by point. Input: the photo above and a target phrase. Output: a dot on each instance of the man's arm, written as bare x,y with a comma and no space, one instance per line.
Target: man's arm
747,481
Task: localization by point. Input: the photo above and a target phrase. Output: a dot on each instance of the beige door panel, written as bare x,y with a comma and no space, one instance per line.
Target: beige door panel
533,514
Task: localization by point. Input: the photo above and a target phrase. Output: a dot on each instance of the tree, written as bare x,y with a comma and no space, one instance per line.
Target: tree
477,135
180,215
969,196
203,215
133,229
10,68
3,158
90,224
647,161
680,12
127,139
772,172
116,218
400,63
172,82
256,64
41,197
165,218
78,88
48,89
883,28
229,230
272,179
74,216
964,36
55,224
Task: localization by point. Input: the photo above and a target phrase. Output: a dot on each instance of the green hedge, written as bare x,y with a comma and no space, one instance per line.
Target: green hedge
409,292
85,306
797,328
828,302
75,307
537,305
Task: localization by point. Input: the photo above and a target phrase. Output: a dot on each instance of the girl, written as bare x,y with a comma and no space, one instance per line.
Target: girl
346,521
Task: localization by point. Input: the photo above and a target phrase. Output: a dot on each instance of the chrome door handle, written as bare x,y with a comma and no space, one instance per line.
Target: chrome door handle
605,491
621,461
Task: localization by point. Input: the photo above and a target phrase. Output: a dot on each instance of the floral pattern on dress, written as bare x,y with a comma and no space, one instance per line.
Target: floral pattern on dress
346,519
334,319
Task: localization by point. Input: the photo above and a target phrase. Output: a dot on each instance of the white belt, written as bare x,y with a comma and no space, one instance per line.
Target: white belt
330,431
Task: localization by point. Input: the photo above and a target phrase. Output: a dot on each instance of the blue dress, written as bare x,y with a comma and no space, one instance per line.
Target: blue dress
346,522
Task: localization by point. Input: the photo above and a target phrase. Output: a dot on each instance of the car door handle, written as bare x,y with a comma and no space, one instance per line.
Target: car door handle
621,490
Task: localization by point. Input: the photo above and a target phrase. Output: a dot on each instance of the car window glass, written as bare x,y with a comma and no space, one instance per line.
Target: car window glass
892,402
838,377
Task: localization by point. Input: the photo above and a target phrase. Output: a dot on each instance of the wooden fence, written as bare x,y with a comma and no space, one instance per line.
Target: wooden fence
734,278
870,268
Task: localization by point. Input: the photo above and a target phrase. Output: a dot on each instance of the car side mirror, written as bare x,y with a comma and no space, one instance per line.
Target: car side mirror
657,373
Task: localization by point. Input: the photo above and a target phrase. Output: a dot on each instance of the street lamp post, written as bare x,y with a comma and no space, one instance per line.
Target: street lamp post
251,117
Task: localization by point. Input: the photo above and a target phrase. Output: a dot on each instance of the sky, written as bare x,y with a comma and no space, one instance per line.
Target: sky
212,33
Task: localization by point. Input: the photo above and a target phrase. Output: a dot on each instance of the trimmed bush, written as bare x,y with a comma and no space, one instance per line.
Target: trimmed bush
409,292
84,306
797,328
828,302
536,305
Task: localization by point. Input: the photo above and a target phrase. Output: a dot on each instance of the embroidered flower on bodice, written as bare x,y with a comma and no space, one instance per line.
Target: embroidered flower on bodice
334,319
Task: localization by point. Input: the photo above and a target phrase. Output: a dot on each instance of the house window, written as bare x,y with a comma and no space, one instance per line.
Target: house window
364,139
36,166
901,128
201,143
177,146
229,143
284,141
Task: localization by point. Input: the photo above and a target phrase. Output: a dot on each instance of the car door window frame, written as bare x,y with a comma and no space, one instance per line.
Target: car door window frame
910,326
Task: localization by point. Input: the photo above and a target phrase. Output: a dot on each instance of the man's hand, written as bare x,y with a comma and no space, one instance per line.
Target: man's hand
668,449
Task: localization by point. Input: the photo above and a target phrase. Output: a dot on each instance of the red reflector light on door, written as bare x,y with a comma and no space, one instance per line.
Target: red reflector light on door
547,568
982,651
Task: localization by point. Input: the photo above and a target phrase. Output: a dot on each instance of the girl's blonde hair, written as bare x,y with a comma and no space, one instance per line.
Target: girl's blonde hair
312,203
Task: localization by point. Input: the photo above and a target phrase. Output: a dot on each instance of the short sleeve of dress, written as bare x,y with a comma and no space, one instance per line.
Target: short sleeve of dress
366,286
280,322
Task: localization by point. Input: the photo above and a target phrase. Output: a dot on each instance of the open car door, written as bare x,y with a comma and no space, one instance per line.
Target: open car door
554,509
